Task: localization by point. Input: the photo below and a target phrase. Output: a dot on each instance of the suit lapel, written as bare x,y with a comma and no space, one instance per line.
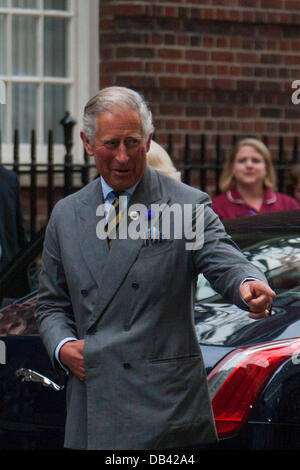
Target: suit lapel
94,250
118,260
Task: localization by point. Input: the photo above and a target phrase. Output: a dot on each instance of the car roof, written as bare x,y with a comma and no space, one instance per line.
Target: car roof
246,230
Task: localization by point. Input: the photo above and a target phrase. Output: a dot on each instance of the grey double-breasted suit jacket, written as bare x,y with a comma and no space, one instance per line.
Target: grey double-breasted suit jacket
133,305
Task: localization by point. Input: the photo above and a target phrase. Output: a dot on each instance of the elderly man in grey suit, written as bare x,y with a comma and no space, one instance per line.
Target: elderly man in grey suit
119,318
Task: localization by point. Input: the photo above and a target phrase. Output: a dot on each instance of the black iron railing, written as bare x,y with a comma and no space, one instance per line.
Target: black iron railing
201,165
196,166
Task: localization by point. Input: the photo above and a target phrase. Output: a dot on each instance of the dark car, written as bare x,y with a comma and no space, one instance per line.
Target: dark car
253,366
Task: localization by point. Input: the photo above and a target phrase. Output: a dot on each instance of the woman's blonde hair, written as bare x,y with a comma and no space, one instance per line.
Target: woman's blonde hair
159,159
227,179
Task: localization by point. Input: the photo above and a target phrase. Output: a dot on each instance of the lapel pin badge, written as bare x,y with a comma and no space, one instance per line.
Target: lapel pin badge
134,215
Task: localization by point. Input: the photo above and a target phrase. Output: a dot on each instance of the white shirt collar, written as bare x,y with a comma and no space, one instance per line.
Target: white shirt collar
106,189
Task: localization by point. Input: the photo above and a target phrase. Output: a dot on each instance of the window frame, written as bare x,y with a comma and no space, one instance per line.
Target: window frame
82,75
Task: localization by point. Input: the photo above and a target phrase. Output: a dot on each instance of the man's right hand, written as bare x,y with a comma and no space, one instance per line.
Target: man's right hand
71,355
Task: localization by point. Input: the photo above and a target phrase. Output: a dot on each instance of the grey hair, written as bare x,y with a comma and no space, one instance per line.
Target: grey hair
107,99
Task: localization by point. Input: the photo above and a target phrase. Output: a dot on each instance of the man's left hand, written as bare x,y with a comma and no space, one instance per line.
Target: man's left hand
259,297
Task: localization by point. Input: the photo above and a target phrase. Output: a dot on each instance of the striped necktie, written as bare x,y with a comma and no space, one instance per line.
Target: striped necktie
113,219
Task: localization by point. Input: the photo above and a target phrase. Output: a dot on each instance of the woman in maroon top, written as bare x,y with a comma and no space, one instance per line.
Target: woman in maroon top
247,183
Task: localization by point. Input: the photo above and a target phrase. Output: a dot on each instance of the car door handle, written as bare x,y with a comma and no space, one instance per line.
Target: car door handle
28,375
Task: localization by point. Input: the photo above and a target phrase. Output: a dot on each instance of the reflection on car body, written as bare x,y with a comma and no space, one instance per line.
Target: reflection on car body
278,258
18,317
253,377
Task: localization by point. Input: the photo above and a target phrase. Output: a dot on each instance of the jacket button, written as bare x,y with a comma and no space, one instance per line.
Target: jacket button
126,365
84,293
135,285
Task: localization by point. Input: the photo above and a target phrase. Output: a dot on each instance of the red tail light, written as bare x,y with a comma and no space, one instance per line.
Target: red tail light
237,381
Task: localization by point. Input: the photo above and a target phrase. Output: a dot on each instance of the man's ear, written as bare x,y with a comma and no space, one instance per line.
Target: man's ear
88,147
148,143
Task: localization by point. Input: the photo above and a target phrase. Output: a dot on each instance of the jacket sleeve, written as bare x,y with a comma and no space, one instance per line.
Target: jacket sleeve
221,261
54,313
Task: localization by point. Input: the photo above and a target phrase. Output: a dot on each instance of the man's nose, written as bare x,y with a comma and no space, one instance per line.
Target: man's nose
121,154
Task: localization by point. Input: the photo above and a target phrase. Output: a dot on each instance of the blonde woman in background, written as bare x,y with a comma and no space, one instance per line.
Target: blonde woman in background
248,183
159,159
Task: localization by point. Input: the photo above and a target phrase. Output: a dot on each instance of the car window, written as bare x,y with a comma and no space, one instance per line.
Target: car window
20,281
278,258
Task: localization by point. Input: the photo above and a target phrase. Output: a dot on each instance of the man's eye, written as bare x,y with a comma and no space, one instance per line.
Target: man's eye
131,142
111,144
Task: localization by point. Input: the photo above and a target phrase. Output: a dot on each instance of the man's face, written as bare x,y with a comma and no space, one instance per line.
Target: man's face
119,148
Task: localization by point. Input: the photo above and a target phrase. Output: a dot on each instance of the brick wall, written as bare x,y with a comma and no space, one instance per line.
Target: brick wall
207,66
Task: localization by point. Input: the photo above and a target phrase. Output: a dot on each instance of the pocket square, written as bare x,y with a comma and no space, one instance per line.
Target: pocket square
153,237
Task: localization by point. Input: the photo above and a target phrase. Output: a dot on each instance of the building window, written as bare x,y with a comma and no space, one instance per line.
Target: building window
43,46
